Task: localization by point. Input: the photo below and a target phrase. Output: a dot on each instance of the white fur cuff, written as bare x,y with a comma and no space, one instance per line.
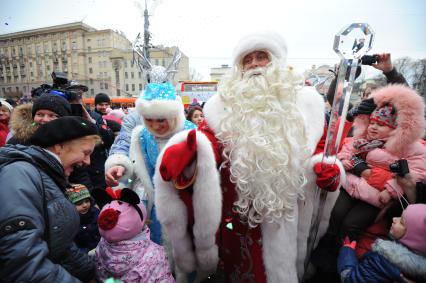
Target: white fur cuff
120,160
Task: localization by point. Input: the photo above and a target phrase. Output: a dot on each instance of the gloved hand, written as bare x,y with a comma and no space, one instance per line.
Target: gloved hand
328,176
178,156
359,166
348,243
365,107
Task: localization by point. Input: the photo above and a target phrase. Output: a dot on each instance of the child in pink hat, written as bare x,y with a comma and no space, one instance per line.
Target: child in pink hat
125,251
391,261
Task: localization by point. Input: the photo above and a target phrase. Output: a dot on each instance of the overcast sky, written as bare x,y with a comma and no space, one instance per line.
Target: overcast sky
207,31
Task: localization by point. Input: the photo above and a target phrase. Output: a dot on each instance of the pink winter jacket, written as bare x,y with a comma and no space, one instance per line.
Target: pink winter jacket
358,187
133,261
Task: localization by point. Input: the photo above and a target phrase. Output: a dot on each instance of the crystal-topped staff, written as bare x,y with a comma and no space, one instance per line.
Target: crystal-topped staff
351,43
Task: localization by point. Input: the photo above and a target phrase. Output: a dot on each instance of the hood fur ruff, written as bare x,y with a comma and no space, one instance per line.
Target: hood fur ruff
21,122
410,117
411,264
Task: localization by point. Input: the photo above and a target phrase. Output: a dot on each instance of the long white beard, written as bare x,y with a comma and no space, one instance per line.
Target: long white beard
264,144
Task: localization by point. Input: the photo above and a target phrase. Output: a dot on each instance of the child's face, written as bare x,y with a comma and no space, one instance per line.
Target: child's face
83,206
376,131
158,127
398,227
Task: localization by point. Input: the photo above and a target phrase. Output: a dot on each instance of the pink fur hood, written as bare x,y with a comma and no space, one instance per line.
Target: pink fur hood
410,119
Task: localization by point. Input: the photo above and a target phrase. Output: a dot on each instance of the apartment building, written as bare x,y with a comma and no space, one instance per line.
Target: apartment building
100,59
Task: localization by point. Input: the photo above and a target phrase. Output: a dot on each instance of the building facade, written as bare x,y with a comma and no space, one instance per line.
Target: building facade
217,73
100,59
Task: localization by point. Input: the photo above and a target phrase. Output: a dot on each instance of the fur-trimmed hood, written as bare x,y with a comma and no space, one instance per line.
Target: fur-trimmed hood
21,122
411,264
410,120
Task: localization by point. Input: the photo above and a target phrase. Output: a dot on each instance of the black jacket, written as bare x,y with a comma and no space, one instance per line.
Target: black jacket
88,236
37,222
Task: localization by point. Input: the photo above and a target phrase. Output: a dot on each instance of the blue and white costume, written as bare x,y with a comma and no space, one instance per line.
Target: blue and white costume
159,101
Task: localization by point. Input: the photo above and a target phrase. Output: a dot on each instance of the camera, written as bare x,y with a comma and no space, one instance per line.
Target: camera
61,86
369,59
400,167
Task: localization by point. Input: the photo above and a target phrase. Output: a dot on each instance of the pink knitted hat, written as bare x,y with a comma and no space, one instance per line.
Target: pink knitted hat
120,221
123,215
415,221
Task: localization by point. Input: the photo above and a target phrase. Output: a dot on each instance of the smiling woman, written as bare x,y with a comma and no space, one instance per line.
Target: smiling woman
38,223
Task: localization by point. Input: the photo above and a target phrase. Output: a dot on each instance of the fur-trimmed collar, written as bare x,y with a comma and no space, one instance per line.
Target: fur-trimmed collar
21,122
411,264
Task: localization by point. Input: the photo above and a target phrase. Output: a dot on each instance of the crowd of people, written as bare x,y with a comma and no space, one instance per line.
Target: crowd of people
223,192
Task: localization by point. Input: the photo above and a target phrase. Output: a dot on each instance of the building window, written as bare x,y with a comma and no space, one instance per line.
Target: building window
101,84
140,86
133,87
125,64
90,71
74,45
17,89
92,91
140,75
88,40
106,85
132,75
89,49
48,67
90,60
31,64
25,89
118,92
31,74
127,87
126,76
91,81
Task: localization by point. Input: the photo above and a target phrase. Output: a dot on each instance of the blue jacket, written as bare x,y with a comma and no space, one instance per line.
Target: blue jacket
37,222
385,263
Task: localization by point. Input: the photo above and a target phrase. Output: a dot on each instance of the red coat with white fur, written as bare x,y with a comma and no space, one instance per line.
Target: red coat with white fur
271,252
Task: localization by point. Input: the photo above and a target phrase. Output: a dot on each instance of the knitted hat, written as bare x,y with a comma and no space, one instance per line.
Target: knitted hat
385,115
101,98
6,104
78,192
54,103
61,130
122,216
415,222
269,41
159,101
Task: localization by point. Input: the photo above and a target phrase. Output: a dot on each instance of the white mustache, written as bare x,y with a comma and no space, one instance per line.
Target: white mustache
254,72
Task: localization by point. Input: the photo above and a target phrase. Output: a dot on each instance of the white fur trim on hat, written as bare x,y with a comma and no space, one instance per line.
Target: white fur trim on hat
159,108
270,41
7,104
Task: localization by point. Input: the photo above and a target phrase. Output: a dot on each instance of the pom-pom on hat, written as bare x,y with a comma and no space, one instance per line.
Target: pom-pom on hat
62,130
123,215
415,222
385,115
78,192
265,41
159,101
52,102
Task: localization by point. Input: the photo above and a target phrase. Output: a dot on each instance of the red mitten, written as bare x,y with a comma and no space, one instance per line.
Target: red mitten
348,243
328,176
379,177
178,156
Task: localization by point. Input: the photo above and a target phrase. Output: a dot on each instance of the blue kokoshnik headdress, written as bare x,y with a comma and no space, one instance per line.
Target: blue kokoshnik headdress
159,101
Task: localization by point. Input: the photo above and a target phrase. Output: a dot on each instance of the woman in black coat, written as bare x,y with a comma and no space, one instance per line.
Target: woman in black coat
37,222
